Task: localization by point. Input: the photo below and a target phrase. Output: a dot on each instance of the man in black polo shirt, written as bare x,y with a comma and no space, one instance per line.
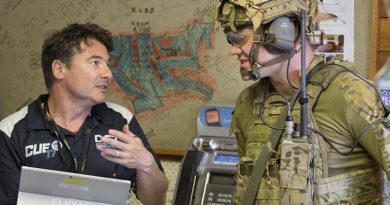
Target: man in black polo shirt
72,128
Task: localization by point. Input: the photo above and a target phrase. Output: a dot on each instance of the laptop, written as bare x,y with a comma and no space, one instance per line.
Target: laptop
43,186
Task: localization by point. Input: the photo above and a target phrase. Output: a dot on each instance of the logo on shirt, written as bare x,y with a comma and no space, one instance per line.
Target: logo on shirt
43,148
99,137
56,145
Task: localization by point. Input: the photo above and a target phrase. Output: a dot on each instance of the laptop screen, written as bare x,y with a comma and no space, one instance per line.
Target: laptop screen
42,186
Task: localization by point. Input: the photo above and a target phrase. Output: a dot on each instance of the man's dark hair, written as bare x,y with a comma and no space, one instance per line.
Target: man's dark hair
63,44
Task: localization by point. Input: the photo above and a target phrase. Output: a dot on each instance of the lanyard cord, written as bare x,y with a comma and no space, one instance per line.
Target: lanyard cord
88,134
59,134
54,127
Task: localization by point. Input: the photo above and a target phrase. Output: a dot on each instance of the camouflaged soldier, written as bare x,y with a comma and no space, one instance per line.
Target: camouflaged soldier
343,160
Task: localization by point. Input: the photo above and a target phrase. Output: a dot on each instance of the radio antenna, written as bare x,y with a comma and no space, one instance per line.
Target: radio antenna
303,98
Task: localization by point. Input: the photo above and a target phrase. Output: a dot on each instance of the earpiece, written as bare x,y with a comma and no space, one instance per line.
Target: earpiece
280,35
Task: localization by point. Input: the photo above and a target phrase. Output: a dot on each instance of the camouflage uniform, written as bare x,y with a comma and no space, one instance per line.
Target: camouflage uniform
340,109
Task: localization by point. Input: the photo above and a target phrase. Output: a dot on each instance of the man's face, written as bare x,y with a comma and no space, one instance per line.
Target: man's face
87,76
241,44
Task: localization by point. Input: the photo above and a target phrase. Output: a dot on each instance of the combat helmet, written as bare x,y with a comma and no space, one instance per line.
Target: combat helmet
234,14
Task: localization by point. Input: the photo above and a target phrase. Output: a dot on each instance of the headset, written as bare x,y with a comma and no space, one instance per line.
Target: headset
280,35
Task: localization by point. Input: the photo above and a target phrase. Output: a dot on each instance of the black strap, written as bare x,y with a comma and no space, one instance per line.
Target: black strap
57,131
83,157
54,127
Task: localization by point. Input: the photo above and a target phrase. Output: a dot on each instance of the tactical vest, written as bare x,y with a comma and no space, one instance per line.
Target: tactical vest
365,186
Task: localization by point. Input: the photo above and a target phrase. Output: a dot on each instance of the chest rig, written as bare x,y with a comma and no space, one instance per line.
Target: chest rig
297,174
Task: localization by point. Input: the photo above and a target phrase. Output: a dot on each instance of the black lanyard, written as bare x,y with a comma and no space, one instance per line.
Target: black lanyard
88,133
54,127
